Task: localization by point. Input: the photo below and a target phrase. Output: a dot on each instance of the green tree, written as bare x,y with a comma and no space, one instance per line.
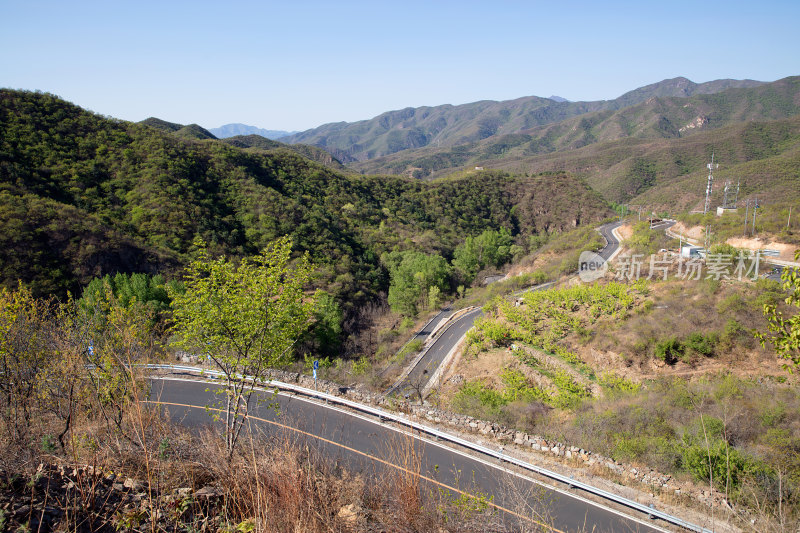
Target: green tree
413,274
150,291
782,331
24,353
490,248
328,317
466,259
244,318
114,338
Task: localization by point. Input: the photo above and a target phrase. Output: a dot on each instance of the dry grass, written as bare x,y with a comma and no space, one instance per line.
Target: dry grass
177,480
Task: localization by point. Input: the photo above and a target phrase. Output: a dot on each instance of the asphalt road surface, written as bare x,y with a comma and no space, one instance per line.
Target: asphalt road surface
426,366
378,450
612,243
775,273
447,340
428,328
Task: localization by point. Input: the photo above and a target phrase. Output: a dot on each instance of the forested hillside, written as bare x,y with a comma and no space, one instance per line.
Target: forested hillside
656,118
255,141
82,195
447,125
671,174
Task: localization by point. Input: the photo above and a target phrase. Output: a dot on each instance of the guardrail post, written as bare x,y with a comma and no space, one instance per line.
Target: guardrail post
295,390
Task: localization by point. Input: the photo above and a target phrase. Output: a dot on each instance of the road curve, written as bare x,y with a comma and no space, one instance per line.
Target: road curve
427,365
606,230
373,448
412,385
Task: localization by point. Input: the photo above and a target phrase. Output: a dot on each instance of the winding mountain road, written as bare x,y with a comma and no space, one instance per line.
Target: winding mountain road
376,449
365,444
427,365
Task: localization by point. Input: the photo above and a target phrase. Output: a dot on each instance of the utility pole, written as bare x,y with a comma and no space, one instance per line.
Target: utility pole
746,212
755,207
789,218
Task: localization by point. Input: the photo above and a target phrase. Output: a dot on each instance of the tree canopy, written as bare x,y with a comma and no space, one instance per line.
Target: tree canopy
244,317
784,332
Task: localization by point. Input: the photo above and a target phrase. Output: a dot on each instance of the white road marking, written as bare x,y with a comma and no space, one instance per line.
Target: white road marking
431,442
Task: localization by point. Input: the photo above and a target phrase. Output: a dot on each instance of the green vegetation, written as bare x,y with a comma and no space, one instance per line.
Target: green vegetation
771,218
669,350
484,402
82,196
489,249
736,434
152,291
484,130
417,280
257,142
648,241
77,424
245,318
545,318
721,429
783,331
624,151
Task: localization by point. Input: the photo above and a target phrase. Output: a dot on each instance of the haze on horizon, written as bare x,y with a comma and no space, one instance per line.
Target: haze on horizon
294,67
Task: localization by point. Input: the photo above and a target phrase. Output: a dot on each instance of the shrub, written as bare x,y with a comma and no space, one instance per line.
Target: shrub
733,303
669,350
361,365
699,343
616,383
412,347
717,461
733,330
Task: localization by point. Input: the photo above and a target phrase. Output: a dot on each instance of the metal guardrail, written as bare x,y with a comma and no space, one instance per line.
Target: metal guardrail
385,415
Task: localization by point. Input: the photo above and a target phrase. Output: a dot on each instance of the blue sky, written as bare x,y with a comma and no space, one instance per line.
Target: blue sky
296,65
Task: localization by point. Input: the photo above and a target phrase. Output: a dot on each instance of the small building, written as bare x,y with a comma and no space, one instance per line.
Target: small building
689,251
723,210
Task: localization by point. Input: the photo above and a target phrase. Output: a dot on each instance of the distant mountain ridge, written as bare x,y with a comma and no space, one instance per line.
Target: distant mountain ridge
235,129
655,118
449,125
255,141
308,151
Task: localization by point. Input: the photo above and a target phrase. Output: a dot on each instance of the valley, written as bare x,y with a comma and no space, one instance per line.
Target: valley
482,209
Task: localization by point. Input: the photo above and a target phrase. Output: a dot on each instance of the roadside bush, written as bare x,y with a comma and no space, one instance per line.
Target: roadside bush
361,365
718,462
734,333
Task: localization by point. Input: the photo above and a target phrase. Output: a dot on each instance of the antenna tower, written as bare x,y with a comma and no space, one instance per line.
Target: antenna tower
711,166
